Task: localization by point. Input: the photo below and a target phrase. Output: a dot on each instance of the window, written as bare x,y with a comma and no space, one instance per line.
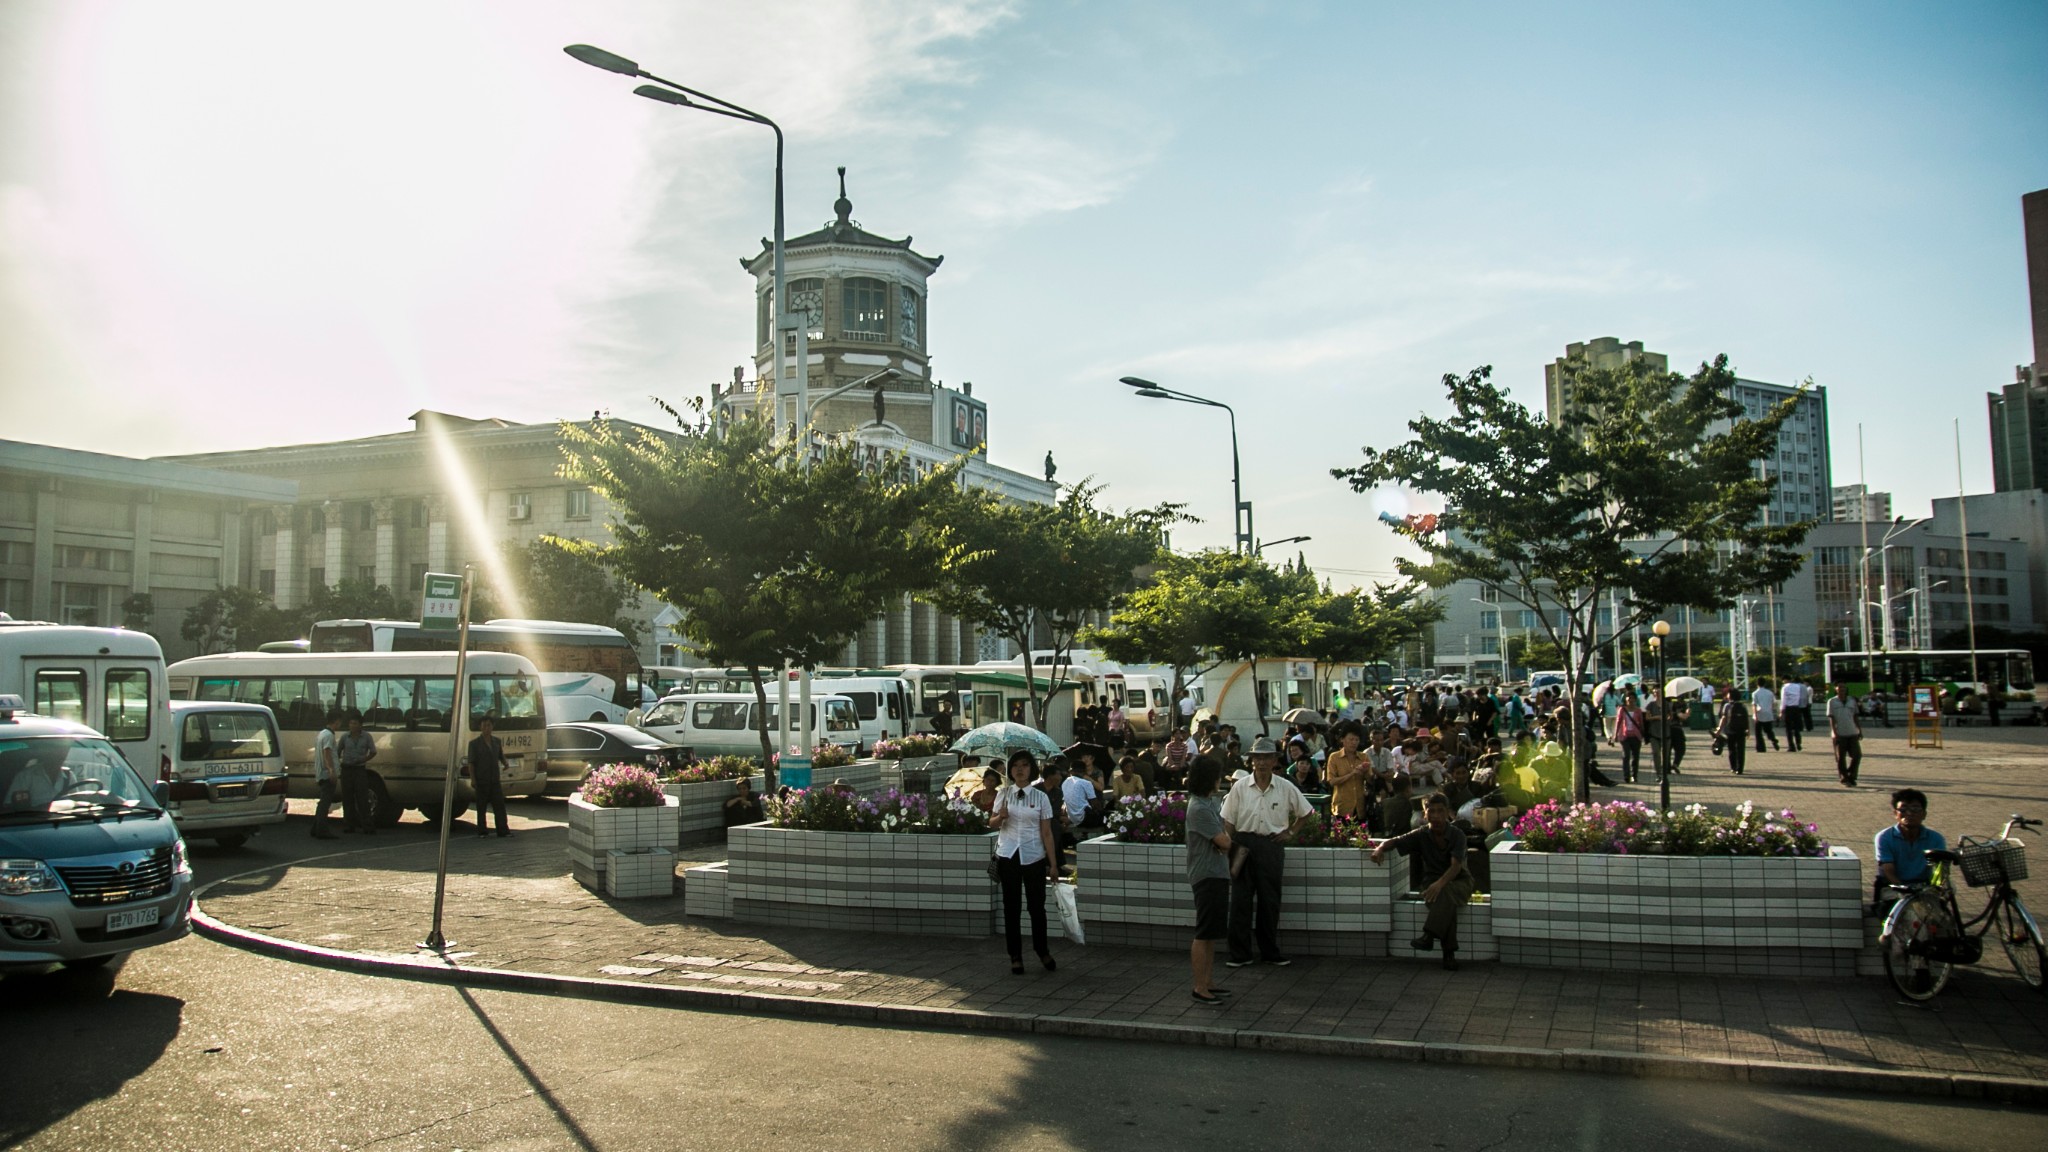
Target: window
719,715
384,702
906,318
127,704
316,579
416,513
93,559
316,520
266,581
60,694
579,504
367,573
519,506
865,307
83,604
366,516
416,576
761,319
574,740
1489,645
226,736
1489,621
1489,593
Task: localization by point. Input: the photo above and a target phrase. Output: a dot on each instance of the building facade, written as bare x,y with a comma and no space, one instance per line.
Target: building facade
2019,411
88,538
1854,502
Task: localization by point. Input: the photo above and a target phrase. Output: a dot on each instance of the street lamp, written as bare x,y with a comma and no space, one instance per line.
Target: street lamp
1241,516
1658,631
1884,555
679,95
1265,544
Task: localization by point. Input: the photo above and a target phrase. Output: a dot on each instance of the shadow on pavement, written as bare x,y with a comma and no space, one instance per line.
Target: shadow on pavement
74,1037
540,1089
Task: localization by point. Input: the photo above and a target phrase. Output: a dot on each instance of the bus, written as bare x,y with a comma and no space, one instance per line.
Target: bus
109,679
404,699
555,647
2008,671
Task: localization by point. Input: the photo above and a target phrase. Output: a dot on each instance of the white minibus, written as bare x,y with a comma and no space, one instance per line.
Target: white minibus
723,723
404,700
227,775
108,679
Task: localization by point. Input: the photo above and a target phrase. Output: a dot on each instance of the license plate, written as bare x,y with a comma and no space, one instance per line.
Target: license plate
226,769
131,919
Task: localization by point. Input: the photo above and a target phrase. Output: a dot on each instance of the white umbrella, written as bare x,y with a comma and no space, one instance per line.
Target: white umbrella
1683,686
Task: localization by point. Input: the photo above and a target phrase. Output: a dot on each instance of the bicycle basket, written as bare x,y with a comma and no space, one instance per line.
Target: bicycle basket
1990,861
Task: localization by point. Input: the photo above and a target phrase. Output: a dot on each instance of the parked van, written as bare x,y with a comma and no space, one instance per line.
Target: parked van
108,679
91,864
722,723
883,704
227,774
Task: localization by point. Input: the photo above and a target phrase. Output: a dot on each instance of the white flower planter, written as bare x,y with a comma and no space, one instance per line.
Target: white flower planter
644,873
939,769
594,831
917,882
1779,916
1333,901
701,808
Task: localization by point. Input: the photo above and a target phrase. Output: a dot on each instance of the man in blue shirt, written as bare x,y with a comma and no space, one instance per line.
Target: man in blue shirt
1902,848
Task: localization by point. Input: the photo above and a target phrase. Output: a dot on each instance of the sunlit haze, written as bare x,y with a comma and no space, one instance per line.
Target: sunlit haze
230,225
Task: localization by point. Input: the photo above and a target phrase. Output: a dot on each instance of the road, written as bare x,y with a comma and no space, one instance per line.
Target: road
199,1046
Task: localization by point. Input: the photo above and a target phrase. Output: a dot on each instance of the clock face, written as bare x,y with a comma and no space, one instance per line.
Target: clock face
810,304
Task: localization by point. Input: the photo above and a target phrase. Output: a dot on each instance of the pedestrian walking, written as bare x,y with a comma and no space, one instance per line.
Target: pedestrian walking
1260,813
1733,730
1438,848
1794,703
1025,858
486,777
1847,736
1764,706
1208,874
1629,726
326,776
356,749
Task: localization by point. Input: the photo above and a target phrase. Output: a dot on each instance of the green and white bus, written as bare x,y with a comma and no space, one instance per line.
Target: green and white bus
2007,671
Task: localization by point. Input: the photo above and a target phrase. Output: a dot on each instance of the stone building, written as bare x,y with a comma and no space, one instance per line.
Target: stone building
84,534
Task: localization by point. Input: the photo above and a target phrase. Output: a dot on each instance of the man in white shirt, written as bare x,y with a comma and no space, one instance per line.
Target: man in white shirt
1078,793
1260,813
326,776
1847,735
1793,699
1763,706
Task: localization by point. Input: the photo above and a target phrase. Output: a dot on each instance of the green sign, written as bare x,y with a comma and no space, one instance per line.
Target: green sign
441,601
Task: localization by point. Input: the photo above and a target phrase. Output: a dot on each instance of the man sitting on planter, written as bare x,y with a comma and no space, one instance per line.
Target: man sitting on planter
1438,850
1260,813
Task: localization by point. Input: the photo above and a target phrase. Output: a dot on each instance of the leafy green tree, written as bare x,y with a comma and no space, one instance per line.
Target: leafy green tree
1357,626
1599,501
1533,654
224,616
1041,569
551,580
770,561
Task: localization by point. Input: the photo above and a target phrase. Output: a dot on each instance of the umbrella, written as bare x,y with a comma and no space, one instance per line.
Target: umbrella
1625,680
1308,716
997,741
1684,686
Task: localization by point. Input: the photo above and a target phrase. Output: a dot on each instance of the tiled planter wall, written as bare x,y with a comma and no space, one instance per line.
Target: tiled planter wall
937,769
1765,916
593,831
1475,932
863,776
1333,901
871,882
647,872
702,809
705,892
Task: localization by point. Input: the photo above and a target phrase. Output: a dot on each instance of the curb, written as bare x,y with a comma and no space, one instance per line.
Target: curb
1994,1089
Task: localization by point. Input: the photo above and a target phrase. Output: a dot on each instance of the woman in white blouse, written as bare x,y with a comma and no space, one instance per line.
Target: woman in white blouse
1025,858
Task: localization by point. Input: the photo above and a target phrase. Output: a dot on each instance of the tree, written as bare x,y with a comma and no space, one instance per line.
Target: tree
1559,514
1534,654
1032,567
549,579
224,616
770,561
1357,626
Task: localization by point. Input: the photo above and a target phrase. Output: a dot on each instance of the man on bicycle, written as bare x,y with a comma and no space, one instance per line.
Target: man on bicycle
1902,848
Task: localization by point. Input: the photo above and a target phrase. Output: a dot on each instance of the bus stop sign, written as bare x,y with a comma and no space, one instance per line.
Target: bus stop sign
441,601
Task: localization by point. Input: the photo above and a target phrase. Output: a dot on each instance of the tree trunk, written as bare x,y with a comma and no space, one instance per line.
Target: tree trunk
768,773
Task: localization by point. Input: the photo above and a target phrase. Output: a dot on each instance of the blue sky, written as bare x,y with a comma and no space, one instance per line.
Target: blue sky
224,225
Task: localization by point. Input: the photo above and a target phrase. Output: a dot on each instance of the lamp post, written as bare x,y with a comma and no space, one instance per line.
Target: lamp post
1658,631
1265,544
1884,557
1241,516
679,95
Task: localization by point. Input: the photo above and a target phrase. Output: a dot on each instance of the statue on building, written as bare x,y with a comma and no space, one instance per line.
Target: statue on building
881,406
1051,469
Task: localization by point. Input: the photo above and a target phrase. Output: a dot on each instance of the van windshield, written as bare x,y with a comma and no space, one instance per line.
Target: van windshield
226,736
47,777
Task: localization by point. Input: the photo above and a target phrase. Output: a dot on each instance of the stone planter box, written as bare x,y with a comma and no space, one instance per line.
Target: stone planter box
916,883
594,831
863,776
936,770
701,809
705,892
1725,914
1475,932
647,872
1334,901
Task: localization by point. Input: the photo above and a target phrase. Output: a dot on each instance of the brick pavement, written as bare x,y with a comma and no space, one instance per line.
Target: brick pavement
512,905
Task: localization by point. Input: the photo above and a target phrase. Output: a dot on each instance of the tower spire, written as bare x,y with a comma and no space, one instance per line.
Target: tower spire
843,207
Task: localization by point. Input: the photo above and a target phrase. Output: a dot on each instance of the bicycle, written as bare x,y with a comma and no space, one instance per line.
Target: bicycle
1925,935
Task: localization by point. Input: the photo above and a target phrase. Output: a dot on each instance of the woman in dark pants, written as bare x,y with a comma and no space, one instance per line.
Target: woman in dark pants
1025,858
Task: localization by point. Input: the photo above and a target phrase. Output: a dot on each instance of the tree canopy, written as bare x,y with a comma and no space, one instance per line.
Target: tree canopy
1646,485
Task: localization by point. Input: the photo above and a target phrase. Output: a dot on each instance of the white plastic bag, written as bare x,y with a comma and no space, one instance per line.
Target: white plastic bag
1070,911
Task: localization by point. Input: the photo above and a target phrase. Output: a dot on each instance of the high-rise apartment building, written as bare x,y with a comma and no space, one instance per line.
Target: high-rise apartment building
2019,411
1854,503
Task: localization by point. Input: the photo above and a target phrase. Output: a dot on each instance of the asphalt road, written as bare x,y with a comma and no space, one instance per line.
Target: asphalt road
200,1046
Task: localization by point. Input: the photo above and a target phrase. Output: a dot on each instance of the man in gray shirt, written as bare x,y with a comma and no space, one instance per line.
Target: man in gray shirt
357,749
1208,874
1437,852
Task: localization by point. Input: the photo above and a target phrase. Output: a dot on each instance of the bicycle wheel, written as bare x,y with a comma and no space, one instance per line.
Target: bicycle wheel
1917,922
2022,940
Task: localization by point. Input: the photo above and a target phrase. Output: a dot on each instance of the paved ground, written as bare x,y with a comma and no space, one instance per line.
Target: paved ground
511,906
200,1046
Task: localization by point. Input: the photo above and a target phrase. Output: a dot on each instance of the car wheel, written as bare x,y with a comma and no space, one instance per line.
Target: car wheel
384,812
231,839
431,813
598,718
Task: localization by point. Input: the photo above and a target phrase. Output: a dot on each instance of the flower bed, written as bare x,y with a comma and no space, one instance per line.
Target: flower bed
915,763
649,822
886,863
700,792
1740,893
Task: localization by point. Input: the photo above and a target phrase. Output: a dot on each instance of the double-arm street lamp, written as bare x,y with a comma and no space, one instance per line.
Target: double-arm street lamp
1241,515
670,92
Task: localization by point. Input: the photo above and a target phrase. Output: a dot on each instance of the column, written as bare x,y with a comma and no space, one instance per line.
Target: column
899,632
284,560
231,516
923,628
387,544
871,650
970,643
437,534
42,586
144,517
335,557
948,630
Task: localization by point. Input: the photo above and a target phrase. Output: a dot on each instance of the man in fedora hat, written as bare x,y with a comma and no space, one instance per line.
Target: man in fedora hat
1260,813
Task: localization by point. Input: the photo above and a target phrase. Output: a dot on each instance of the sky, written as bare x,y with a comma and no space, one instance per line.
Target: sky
226,225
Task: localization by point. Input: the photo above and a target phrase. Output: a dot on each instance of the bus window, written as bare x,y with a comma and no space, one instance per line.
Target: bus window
302,705
720,715
60,694
127,704
864,704
343,638
383,702
841,717
2019,671
511,702
226,736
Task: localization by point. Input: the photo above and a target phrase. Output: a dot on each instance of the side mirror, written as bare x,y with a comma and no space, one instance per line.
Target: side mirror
162,791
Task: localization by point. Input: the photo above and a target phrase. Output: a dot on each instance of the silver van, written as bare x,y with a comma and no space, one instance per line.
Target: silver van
91,864
228,775
722,723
